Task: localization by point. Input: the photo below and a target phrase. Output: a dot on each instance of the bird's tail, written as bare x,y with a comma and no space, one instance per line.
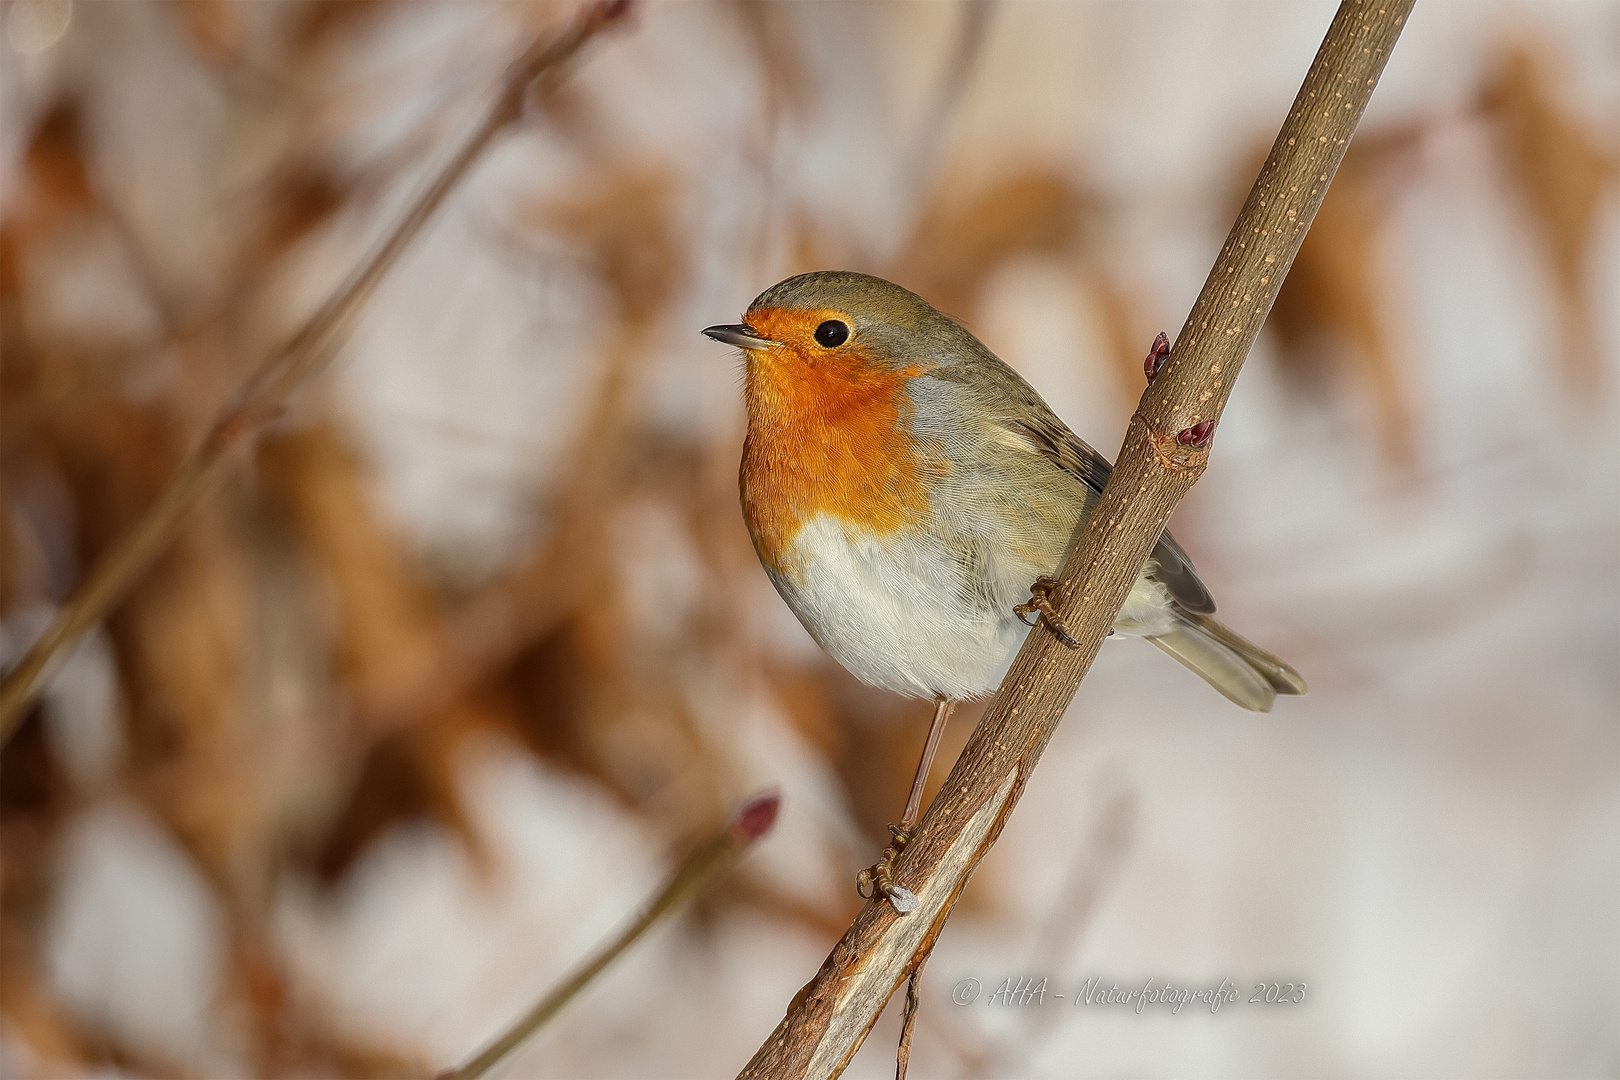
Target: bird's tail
1247,674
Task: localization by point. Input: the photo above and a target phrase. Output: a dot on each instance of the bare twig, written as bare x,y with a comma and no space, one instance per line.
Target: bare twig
1165,451
908,1020
1094,872
713,855
971,34
265,393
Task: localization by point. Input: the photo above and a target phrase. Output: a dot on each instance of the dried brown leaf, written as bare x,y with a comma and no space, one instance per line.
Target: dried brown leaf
388,627
301,199
182,638
967,235
1564,175
1329,317
626,227
37,1020
326,20
214,28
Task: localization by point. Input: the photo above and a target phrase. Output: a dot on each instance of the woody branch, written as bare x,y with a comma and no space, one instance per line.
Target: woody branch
266,392
1165,450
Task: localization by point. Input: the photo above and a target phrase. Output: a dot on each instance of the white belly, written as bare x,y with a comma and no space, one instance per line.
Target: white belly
894,613
900,614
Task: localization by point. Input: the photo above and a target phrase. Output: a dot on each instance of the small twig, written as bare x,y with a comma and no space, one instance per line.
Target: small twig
699,868
1094,872
263,396
908,1018
1165,451
971,34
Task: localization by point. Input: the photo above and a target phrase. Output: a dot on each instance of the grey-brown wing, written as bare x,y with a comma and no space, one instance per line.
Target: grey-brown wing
1179,575
1053,440
1001,392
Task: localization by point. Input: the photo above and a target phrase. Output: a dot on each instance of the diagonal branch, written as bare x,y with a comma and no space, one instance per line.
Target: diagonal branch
264,395
1164,453
752,821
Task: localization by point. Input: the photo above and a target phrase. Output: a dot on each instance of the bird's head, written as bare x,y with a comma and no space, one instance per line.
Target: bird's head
839,320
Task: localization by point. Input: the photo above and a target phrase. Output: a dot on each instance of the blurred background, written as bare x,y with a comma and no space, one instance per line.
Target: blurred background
446,677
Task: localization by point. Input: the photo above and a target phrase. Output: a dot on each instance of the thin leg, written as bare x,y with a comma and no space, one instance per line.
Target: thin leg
875,880
942,713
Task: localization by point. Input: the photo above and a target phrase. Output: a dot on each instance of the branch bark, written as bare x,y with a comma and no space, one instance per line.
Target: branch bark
1165,450
264,395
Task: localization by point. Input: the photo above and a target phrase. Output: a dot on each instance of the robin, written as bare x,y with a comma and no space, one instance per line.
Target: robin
910,496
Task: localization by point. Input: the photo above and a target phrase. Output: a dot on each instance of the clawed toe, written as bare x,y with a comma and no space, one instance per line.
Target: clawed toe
1040,605
877,880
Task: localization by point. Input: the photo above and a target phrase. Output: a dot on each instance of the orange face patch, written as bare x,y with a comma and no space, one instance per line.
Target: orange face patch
827,434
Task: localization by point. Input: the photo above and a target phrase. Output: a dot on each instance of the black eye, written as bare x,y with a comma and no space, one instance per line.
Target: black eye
831,334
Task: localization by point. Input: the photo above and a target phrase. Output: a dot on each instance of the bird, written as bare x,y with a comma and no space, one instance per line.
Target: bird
911,496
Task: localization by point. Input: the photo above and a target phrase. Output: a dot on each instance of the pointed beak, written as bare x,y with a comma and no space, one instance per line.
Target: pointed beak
740,335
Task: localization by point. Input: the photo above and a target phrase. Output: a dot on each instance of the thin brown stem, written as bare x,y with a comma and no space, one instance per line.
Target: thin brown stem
908,1019
265,393
971,35
712,856
1165,451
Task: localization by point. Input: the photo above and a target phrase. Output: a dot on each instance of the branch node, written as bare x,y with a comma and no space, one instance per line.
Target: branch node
232,428
1185,451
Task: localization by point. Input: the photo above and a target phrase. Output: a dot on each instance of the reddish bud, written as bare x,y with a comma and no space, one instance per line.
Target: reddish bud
756,817
1198,435
1155,359
231,427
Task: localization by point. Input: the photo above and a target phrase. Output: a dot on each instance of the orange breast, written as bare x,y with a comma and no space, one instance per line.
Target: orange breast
828,436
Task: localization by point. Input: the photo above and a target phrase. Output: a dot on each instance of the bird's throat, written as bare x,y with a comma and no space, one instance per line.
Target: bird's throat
830,437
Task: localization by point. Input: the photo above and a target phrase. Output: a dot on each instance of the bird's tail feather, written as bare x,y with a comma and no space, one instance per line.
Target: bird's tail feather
1247,674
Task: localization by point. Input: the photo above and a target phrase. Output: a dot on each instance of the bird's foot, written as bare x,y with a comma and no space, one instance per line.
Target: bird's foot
1040,604
877,880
